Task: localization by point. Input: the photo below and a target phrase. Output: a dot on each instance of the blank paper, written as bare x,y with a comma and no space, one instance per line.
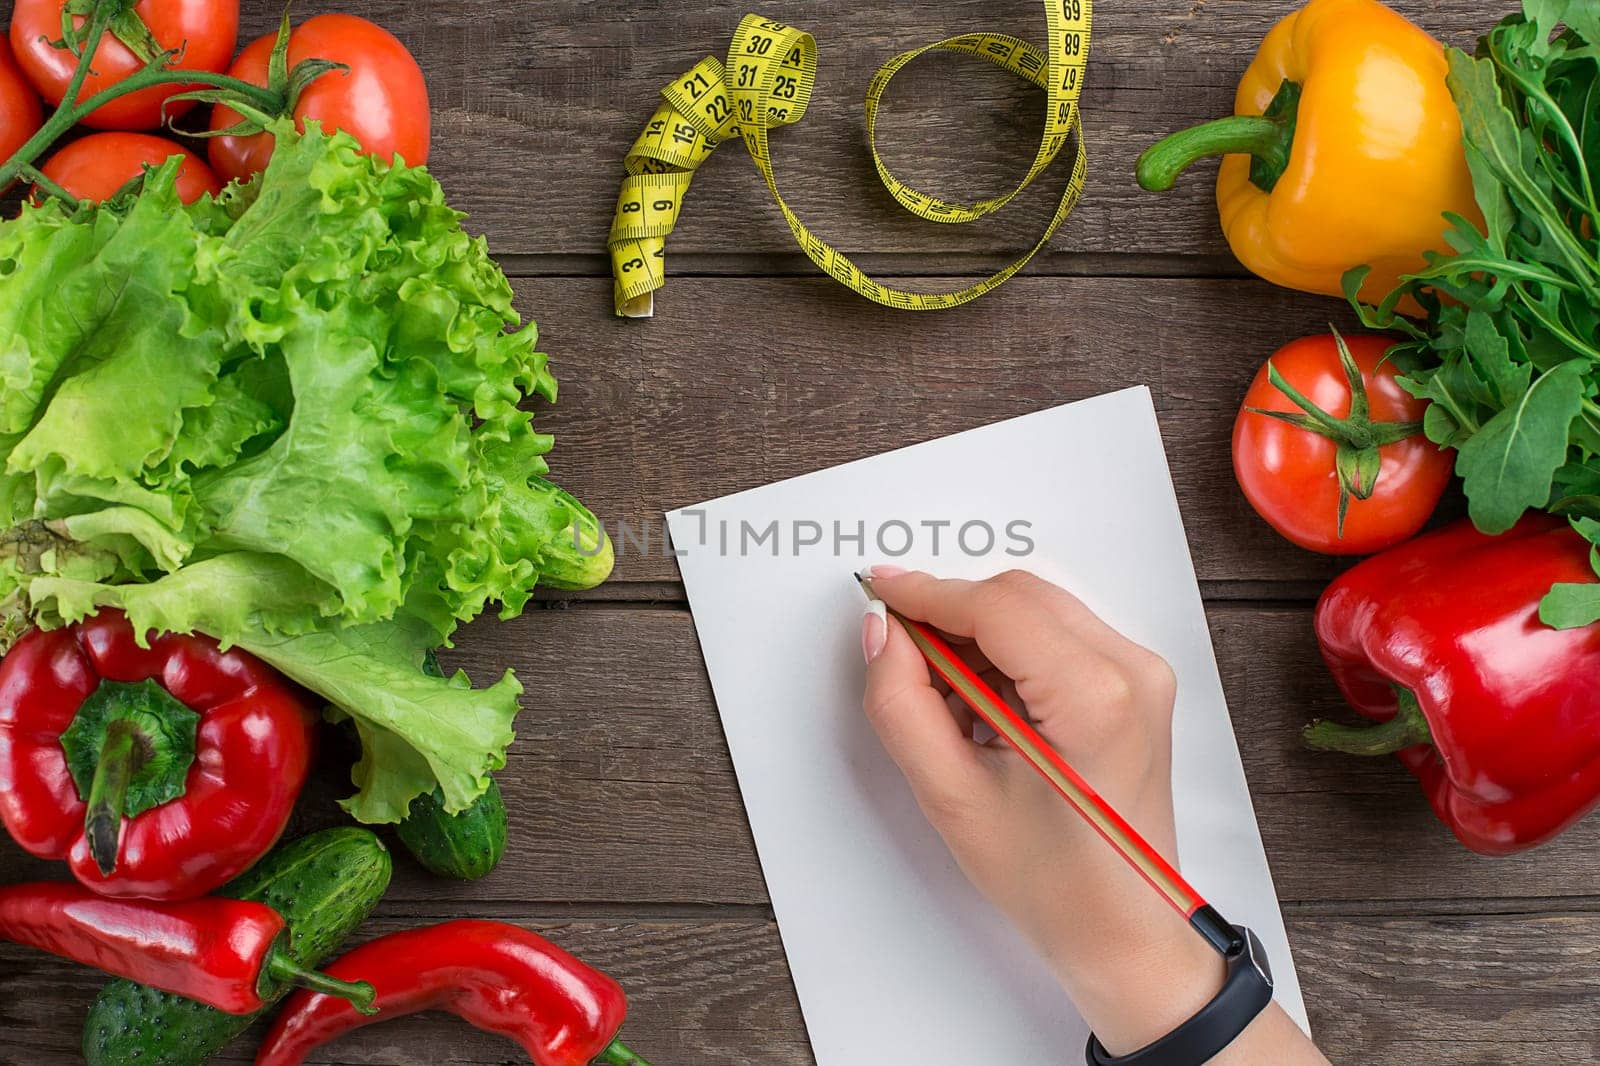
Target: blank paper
895,957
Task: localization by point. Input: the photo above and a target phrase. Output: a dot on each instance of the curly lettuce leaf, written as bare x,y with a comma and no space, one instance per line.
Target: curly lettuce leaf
417,731
363,456
131,327
214,435
292,418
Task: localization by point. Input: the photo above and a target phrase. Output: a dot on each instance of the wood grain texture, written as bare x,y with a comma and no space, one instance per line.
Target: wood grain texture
762,379
1501,990
629,842
535,104
621,790
698,992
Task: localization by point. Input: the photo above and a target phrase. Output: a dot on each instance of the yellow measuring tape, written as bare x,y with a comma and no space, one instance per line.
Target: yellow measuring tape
766,83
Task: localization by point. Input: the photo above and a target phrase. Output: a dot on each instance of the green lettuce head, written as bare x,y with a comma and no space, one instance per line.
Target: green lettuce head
291,418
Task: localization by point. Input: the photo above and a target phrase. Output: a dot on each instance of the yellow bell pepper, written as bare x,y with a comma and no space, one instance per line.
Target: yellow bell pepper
1344,149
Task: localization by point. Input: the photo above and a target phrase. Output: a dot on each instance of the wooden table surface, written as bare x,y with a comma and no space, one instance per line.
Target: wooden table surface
629,844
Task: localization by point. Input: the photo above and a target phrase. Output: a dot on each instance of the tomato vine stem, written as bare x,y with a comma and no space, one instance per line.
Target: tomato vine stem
156,72
37,178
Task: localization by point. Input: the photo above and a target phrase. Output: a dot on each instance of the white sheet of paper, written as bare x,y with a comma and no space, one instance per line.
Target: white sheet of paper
895,957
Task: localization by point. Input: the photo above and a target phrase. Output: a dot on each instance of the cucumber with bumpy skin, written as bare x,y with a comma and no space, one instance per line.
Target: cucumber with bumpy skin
463,846
580,555
324,885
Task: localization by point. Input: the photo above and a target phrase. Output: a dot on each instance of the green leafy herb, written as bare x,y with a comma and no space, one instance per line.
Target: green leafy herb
1510,353
1509,463
290,418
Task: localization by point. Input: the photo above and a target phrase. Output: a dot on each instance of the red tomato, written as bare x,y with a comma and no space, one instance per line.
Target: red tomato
96,166
20,111
206,29
382,101
1288,473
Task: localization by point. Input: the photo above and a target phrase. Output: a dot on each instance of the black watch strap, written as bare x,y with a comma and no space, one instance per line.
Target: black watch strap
1245,994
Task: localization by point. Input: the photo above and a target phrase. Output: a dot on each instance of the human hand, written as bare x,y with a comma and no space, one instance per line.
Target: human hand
1133,966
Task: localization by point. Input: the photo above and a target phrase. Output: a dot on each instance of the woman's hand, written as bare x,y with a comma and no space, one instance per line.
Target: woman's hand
1132,966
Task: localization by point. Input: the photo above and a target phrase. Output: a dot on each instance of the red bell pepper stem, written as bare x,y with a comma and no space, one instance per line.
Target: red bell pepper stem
202,775
1452,619
122,755
1406,729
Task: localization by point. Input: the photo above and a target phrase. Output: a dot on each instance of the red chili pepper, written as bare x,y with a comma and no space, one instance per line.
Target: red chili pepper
226,953
1496,713
499,977
158,772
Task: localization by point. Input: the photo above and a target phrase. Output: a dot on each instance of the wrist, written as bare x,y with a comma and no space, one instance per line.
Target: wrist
1135,989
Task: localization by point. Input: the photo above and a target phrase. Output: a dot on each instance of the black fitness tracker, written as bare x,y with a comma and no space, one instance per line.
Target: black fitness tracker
1245,994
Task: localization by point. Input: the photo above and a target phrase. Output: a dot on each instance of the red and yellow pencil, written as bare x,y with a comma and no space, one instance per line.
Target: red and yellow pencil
987,704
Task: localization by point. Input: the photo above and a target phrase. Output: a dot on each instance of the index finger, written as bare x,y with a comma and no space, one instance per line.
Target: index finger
1027,627
962,608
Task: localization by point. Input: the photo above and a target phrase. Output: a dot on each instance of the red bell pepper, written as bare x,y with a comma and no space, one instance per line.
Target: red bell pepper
158,772
499,977
225,953
1497,714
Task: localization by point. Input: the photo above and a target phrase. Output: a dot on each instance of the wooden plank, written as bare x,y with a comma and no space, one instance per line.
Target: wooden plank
1505,990
1346,828
710,991
621,790
801,375
1481,991
534,106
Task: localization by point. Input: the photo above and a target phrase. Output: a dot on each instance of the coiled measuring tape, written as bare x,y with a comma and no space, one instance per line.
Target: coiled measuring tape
766,83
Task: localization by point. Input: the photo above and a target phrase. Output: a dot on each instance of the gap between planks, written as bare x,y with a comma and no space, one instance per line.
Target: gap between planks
671,595
889,265
556,911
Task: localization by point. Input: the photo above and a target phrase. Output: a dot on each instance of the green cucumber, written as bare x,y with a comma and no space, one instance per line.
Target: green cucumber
463,846
324,885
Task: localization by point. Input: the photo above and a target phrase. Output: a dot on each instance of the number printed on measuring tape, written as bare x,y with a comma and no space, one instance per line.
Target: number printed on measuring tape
766,83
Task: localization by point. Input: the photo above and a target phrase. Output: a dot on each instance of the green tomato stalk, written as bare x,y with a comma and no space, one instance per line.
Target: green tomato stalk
1357,436
276,98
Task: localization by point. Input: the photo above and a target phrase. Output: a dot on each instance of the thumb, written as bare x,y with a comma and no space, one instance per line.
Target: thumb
913,721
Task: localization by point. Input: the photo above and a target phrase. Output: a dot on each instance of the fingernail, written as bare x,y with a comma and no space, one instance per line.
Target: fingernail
874,630
877,570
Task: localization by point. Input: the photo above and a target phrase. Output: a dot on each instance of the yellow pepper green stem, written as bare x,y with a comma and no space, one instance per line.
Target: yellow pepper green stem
1358,169
1266,138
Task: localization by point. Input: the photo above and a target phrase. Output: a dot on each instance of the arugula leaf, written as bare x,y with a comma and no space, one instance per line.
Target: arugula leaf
1570,604
1509,464
1509,353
